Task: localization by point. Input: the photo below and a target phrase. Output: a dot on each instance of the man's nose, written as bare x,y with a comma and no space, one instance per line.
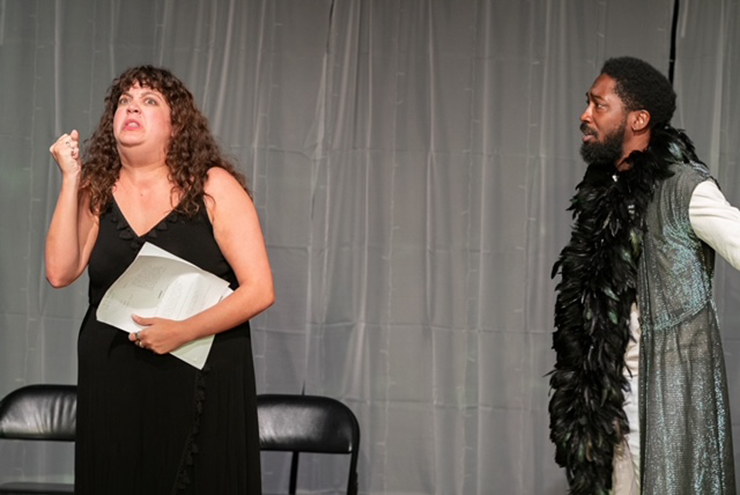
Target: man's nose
586,115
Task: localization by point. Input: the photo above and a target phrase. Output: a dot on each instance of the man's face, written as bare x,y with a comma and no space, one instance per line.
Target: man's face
604,123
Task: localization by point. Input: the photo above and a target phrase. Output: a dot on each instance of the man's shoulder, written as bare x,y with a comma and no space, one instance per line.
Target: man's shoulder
692,168
688,172
684,179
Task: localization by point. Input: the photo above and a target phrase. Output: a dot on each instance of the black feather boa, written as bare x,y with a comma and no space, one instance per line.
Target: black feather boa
598,285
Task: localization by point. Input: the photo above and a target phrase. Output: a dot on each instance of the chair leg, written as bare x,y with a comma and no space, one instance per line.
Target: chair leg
293,473
352,484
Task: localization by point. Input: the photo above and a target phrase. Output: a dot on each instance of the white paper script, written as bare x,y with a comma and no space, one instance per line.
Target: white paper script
160,284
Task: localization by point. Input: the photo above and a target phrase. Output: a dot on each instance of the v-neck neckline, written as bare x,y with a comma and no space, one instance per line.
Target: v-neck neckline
128,224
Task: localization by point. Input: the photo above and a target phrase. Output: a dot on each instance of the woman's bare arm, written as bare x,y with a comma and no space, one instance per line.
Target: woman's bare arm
73,228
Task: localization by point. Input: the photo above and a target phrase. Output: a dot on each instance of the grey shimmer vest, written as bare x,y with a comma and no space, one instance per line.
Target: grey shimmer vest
686,442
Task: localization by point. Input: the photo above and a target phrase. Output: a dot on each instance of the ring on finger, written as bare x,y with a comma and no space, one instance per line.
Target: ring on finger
138,337
140,343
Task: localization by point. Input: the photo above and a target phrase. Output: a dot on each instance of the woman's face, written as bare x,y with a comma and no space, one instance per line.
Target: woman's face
142,120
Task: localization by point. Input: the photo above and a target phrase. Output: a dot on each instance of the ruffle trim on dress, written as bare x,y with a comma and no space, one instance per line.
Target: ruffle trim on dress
126,233
184,478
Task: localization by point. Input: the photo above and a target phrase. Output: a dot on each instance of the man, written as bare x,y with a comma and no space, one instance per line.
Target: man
636,287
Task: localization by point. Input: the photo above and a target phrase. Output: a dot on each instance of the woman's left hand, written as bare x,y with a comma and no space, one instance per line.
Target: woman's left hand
160,335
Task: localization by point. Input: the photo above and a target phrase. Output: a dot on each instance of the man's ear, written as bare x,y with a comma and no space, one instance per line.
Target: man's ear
639,120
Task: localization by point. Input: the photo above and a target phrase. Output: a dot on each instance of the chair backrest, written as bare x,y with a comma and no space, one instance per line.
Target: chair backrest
309,423
39,412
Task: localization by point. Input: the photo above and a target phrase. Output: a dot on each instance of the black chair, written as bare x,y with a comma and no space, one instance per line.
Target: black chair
307,423
39,412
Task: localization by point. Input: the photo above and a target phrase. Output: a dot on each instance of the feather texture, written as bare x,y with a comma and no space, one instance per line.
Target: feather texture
598,285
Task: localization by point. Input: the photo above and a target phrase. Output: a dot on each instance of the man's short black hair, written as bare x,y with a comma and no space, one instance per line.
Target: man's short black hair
642,87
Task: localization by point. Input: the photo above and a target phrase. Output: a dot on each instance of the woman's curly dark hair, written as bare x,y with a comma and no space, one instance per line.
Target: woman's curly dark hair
191,152
642,87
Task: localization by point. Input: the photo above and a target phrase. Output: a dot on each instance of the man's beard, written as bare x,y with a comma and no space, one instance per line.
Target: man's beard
610,151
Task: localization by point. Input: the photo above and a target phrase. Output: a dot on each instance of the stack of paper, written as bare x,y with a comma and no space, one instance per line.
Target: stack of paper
159,284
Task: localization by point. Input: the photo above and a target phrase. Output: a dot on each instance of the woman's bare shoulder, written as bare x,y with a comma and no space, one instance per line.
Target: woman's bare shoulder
221,181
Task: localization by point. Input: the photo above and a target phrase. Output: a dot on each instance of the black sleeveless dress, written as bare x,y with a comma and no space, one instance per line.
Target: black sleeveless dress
151,424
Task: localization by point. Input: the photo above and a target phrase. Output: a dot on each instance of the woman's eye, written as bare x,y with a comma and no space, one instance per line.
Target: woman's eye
151,101
122,100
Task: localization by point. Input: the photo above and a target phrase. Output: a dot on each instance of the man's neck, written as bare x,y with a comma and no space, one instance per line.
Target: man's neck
633,142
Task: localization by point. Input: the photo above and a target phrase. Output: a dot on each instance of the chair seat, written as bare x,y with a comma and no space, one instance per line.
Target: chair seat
27,487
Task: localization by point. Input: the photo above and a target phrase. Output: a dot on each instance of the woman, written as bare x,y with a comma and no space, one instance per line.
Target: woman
147,422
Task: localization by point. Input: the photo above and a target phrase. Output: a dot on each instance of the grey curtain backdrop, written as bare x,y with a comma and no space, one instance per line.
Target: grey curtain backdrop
411,161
